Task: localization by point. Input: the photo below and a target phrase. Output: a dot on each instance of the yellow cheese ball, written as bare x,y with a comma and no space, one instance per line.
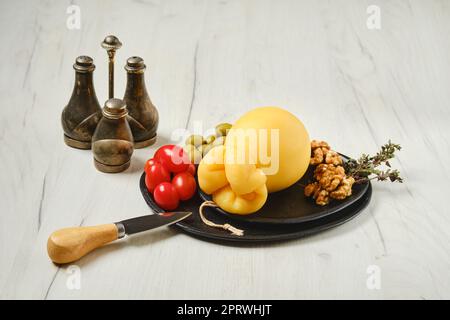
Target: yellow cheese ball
273,139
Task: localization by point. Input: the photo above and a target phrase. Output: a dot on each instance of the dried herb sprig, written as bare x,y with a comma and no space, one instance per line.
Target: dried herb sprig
365,168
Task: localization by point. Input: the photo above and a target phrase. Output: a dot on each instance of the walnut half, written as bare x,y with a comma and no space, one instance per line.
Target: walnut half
331,180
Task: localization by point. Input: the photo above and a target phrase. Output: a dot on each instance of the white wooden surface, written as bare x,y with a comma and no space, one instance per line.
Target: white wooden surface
210,61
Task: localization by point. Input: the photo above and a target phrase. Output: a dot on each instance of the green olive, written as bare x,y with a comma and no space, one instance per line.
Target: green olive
195,139
195,155
209,139
222,129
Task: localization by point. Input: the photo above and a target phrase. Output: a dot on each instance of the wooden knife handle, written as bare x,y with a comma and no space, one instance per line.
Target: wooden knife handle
70,244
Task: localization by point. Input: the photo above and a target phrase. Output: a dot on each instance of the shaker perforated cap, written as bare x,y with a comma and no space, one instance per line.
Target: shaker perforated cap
84,64
115,109
135,64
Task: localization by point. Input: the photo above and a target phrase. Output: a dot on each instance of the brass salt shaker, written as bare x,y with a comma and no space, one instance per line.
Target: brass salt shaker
81,115
112,143
142,114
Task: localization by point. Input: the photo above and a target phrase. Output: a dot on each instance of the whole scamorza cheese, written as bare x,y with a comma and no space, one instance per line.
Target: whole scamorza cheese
275,141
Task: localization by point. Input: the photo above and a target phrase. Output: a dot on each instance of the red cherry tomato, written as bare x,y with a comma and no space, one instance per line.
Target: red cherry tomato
185,185
173,157
154,175
149,163
166,196
191,169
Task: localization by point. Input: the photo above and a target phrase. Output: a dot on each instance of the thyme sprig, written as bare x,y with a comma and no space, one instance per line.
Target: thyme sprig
367,167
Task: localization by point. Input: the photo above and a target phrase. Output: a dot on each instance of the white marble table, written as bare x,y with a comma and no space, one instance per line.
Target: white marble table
210,61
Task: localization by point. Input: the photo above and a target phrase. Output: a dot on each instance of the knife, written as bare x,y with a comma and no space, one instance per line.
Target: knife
70,244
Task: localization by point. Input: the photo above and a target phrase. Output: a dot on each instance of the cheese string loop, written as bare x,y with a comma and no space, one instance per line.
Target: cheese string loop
226,226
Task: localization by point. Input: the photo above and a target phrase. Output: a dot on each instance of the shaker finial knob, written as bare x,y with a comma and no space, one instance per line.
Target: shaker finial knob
111,44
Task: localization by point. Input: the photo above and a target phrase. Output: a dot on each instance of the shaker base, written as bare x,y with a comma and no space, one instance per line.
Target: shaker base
85,145
145,143
111,169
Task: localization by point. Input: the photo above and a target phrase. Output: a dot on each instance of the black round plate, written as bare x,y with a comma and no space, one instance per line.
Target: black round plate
291,206
255,232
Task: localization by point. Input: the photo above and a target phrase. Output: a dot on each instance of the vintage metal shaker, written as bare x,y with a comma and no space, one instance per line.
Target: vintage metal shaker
142,114
112,143
81,115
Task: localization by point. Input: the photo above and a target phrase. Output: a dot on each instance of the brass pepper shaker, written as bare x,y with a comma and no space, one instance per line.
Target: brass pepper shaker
112,143
143,115
81,115
111,44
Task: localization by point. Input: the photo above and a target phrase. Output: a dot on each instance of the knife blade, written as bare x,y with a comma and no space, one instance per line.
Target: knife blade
70,244
148,222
